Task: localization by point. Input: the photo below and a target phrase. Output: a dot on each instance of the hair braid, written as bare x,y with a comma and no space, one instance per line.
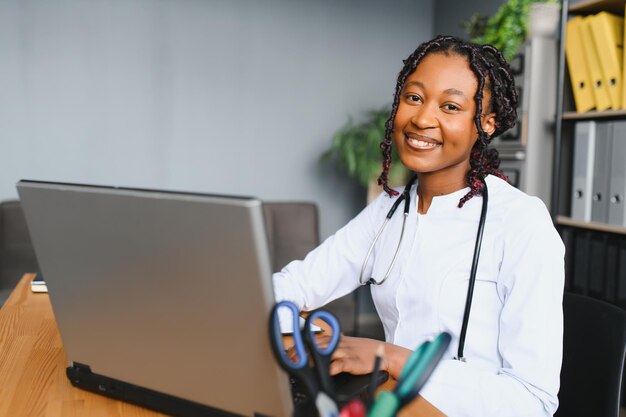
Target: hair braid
492,72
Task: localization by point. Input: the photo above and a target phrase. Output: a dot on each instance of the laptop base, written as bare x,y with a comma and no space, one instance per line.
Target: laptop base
81,377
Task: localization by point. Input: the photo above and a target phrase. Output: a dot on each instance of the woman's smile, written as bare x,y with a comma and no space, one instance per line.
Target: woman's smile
421,142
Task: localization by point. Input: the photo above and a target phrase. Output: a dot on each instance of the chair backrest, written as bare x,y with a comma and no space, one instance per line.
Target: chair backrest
594,347
16,250
292,230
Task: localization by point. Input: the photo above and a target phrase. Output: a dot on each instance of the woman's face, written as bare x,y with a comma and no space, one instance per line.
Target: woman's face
434,130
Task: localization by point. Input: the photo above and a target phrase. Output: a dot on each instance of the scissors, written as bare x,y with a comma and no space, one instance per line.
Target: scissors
317,378
414,375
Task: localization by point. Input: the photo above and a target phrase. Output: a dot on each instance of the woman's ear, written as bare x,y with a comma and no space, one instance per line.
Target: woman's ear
488,123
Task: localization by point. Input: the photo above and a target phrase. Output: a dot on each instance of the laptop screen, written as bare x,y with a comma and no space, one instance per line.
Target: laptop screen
164,290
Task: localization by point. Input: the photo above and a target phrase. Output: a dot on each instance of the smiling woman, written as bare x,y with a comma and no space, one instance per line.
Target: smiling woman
445,88
452,97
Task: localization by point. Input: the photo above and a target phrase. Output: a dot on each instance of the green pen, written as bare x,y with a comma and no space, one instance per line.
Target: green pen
414,375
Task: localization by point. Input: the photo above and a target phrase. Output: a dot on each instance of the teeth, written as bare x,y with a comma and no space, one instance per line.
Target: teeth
421,143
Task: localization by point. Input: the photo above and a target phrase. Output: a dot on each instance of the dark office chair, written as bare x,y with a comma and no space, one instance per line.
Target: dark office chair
16,250
293,231
594,347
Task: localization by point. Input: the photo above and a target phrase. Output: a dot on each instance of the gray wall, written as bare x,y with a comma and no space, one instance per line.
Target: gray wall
227,96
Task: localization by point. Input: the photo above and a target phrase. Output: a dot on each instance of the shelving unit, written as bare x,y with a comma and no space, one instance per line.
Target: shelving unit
595,257
595,262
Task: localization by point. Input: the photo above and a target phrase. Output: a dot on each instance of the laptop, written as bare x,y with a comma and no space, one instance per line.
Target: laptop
162,299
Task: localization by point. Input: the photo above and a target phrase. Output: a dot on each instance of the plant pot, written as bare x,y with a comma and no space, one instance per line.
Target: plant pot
543,19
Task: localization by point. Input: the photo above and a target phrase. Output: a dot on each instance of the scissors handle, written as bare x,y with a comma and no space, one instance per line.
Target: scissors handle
322,354
298,368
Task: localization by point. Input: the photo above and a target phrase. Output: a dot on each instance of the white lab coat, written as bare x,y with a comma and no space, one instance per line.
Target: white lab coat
514,339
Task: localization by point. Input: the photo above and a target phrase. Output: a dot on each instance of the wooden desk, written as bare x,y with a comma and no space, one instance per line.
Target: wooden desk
32,367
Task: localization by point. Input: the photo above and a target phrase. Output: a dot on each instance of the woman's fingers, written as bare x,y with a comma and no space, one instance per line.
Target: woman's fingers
336,367
292,354
353,355
322,340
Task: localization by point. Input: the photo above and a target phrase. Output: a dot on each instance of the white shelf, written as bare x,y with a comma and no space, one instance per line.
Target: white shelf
592,115
600,227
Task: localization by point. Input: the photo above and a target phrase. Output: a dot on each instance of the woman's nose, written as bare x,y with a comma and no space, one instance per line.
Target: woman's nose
423,117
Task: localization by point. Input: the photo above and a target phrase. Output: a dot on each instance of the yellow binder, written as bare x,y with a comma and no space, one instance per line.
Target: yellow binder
600,90
607,31
624,73
578,73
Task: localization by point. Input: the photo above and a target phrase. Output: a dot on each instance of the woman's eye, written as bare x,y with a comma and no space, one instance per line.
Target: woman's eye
450,107
414,98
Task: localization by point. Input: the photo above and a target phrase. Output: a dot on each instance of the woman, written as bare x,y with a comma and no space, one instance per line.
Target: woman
452,97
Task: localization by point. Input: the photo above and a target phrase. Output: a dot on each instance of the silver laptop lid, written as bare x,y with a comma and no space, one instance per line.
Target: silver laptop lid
168,291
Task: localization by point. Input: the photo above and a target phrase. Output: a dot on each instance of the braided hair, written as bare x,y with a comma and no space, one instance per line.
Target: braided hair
492,72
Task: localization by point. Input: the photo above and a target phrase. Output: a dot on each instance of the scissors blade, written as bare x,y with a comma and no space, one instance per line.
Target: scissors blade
326,406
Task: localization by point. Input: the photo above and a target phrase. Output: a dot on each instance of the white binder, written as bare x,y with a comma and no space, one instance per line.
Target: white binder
601,172
617,185
582,181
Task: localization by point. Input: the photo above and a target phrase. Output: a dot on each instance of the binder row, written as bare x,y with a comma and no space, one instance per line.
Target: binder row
599,172
594,49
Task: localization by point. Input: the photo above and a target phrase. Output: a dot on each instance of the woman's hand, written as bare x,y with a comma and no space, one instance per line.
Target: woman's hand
356,355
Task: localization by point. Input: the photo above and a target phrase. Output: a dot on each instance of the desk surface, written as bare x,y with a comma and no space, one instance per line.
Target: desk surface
32,367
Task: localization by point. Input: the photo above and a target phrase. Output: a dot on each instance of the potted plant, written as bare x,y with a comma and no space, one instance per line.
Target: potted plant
356,149
506,30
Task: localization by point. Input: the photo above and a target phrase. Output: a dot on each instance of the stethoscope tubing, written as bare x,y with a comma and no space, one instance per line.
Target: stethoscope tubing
406,197
472,280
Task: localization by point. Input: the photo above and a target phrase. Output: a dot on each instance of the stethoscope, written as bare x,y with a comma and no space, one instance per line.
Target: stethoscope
406,197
